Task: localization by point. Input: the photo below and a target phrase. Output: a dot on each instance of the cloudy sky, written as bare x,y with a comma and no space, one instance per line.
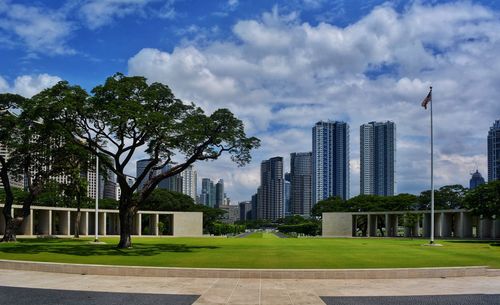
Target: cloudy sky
281,66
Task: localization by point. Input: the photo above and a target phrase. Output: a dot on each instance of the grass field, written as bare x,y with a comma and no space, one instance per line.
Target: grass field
259,250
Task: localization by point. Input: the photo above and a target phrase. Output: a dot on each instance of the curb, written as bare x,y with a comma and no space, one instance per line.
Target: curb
398,273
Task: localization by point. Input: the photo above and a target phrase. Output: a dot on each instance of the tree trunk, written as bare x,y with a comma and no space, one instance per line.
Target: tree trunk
126,222
12,226
78,216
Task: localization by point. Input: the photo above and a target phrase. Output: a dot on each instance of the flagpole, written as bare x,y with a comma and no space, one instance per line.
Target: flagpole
432,174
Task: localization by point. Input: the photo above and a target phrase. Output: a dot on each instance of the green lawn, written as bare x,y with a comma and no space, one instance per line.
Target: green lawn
259,251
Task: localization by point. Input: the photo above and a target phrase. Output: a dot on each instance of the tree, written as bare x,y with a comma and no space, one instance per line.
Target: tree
332,204
445,198
126,114
37,152
484,200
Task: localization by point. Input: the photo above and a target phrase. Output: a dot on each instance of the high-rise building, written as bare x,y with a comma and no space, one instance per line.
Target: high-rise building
219,193
172,183
301,183
246,210
476,180
190,182
288,190
208,192
271,191
494,152
140,168
330,152
377,158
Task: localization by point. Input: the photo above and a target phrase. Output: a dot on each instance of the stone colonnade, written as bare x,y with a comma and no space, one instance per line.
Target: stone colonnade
447,224
61,222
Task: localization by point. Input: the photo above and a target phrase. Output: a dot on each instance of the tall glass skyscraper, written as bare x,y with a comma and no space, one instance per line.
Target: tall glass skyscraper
494,152
377,158
301,183
271,195
330,152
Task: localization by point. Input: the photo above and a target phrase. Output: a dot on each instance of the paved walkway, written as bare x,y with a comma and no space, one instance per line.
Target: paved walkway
253,291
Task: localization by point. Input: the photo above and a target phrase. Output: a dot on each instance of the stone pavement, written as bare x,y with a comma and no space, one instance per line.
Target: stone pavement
253,291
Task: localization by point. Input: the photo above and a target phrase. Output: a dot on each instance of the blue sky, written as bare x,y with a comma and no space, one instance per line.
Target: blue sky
281,66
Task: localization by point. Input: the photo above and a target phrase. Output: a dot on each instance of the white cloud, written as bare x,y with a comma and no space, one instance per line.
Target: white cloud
41,30
29,85
98,13
280,75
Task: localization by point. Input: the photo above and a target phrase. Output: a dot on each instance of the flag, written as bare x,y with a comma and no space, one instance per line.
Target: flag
427,99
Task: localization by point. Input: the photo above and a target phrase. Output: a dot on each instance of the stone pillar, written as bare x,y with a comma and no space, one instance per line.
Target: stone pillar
155,220
388,226
372,225
354,225
64,222
84,224
102,223
27,228
45,222
485,225
495,228
416,227
427,225
445,224
138,224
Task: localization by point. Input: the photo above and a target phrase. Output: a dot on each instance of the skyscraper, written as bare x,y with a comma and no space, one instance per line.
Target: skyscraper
208,192
140,168
330,145
377,158
288,190
190,182
301,183
219,193
270,194
476,180
494,152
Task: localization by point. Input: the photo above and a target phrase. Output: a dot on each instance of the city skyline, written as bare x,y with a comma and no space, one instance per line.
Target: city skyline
281,66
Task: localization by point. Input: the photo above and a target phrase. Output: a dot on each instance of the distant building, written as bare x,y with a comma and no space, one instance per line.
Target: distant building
330,152
219,193
476,180
494,152
254,202
140,168
270,195
288,190
232,213
208,193
377,158
173,183
190,182
246,210
301,183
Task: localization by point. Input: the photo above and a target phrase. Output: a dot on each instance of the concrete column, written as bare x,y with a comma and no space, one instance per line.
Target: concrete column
138,224
416,227
84,224
155,220
495,229
427,225
372,225
27,228
102,223
485,225
64,222
445,224
45,222
388,227
354,225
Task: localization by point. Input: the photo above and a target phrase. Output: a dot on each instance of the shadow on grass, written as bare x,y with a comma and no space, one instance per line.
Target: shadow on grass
83,248
493,243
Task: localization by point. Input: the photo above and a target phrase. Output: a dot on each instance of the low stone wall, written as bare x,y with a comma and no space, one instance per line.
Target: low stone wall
401,273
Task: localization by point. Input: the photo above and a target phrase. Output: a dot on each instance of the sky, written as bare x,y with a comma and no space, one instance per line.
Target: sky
281,66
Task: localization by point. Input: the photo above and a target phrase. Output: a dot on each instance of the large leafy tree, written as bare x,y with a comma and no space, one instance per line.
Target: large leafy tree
446,197
36,153
126,116
484,200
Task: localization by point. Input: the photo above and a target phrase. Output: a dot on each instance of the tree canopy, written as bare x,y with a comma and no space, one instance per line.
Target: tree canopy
484,200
